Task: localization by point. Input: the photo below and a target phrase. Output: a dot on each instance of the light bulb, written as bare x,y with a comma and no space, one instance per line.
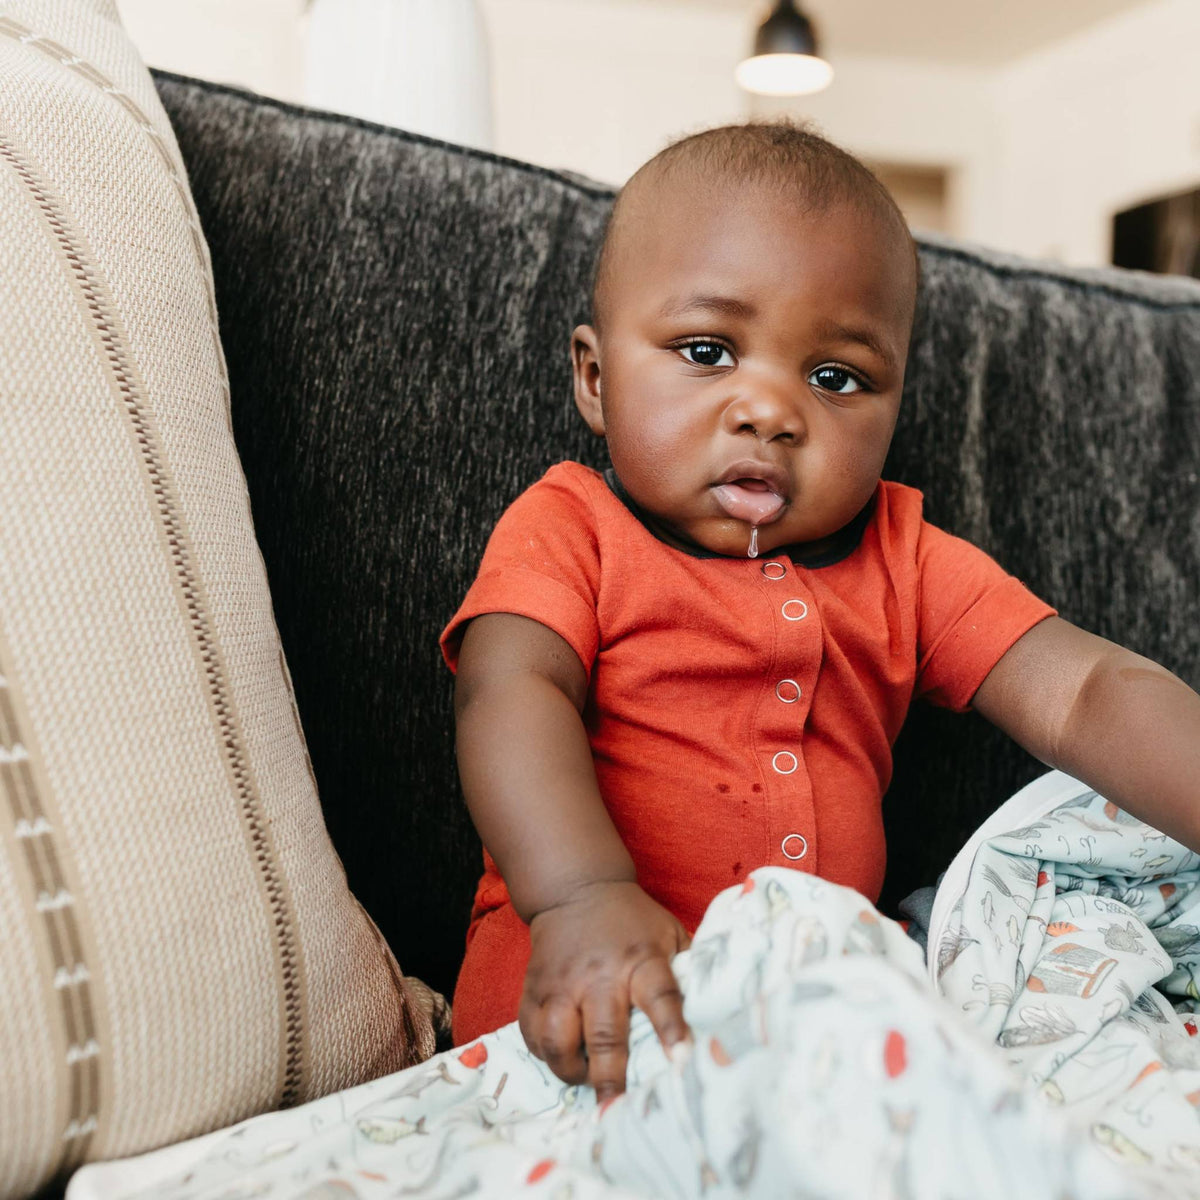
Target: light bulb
784,74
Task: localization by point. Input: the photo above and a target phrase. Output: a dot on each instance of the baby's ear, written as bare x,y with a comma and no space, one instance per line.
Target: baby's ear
585,366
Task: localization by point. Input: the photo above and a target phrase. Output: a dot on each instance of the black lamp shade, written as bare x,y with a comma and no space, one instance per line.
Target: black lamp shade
786,31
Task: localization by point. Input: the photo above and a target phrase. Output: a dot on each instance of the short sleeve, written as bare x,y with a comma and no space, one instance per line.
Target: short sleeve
542,562
971,611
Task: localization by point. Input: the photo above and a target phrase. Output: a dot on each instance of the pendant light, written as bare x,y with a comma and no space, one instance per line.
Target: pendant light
785,61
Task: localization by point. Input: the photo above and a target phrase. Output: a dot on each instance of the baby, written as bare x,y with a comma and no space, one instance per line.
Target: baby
696,663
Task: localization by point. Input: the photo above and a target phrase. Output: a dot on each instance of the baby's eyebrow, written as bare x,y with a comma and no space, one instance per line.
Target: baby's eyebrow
727,306
864,337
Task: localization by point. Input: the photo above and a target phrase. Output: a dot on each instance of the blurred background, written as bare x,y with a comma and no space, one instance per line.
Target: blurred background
1066,130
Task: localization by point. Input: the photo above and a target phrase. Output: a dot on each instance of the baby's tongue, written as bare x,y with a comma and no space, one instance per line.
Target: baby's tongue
748,500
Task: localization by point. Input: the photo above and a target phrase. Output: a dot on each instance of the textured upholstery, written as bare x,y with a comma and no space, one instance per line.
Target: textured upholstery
395,313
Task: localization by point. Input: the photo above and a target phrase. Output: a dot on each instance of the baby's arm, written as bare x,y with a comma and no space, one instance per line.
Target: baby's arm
599,943
1124,725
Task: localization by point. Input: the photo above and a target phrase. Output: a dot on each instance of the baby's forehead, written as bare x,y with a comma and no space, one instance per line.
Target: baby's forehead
770,194
668,212
691,216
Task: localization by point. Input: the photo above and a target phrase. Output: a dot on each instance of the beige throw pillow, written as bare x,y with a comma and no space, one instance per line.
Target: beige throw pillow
178,947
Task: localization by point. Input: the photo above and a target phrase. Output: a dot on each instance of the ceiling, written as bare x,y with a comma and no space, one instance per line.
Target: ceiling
966,32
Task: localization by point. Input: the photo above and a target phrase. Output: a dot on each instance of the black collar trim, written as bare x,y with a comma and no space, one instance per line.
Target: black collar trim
844,543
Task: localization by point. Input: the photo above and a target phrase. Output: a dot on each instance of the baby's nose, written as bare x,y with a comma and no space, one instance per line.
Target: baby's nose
768,411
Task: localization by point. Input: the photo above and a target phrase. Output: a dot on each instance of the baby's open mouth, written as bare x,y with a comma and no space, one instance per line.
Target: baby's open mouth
749,499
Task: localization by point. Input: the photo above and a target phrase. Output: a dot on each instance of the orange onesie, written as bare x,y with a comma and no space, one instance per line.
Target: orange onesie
741,712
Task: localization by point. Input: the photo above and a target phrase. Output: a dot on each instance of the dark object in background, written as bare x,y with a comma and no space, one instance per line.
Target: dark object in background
1161,236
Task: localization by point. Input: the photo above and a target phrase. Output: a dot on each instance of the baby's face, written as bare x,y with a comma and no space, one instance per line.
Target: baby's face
749,367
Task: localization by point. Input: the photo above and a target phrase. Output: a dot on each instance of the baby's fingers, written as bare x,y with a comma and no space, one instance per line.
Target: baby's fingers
553,1032
606,1035
655,990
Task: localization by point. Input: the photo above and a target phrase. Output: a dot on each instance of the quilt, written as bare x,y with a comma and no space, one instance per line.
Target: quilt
1046,1048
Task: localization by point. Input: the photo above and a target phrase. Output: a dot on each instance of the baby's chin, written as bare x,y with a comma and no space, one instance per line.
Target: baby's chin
740,542
730,539
734,539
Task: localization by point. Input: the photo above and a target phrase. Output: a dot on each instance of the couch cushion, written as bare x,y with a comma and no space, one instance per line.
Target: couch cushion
396,314
178,947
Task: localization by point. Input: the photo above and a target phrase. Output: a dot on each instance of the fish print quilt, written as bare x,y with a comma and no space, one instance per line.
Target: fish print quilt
1047,1048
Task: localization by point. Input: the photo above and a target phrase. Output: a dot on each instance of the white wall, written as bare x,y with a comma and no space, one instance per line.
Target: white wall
598,87
1040,153
1094,125
256,44
915,113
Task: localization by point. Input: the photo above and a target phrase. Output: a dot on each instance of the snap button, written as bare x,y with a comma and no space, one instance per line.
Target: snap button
794,610
773,570
788,690
794,837
781,760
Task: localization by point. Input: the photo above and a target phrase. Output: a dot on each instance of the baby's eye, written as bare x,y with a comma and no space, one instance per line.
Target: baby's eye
706,354
835,379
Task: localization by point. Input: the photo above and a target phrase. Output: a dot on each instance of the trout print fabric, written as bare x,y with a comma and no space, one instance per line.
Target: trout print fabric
1058,1061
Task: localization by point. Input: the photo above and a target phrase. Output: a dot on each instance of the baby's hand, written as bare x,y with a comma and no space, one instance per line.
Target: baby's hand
606,948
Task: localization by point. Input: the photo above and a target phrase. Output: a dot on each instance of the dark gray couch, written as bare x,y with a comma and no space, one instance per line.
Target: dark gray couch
395,313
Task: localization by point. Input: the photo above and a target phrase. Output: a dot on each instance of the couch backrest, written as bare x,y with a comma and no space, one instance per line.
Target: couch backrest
395,313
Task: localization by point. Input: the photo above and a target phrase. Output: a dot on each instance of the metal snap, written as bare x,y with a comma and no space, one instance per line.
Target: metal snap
787,756
773,570
788,690
794,605
794,837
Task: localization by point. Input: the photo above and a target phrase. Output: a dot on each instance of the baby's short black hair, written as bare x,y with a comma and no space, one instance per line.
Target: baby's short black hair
780,154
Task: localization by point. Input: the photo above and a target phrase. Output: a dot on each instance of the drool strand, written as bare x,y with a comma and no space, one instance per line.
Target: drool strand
753,551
